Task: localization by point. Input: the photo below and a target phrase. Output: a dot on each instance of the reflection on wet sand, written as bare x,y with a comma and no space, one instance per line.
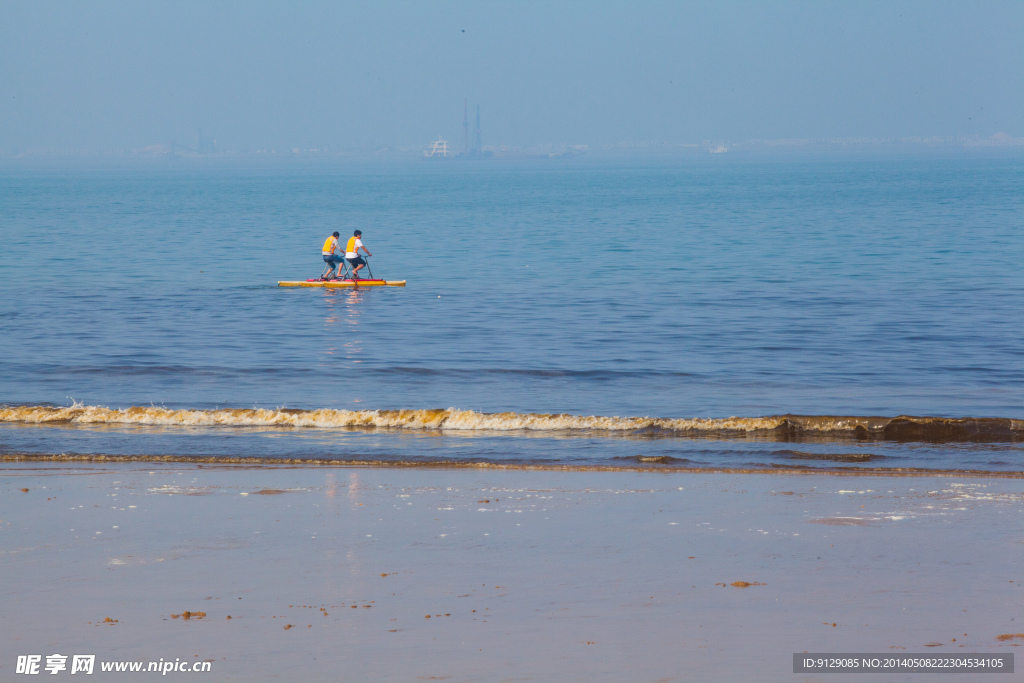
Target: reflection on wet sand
416,574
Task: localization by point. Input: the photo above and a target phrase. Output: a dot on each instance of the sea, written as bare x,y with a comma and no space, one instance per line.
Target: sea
841,313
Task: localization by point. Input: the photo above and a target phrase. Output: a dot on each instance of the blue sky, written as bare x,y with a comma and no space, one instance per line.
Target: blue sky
260,74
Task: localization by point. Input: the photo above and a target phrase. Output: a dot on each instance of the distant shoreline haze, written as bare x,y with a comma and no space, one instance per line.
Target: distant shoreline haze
998,142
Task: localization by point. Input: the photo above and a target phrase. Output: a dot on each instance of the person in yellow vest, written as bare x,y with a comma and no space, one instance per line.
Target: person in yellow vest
352,253
330,255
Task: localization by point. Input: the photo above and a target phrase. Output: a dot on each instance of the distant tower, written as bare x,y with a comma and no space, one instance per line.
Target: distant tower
476,137
465,127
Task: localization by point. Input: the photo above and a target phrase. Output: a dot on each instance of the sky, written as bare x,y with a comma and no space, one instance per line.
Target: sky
258,74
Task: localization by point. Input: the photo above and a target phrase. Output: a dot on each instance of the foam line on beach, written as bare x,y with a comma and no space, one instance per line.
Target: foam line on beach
249,461
901,427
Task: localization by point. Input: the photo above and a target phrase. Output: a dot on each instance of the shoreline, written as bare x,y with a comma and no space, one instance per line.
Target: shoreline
654,467
526,574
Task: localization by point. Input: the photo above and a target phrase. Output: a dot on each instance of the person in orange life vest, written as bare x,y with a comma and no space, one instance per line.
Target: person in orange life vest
352,253
332,259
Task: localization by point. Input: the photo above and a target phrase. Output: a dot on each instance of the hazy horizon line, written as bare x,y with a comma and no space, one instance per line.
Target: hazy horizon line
208,148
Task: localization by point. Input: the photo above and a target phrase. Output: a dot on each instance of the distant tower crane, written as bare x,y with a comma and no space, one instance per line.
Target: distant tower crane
465,127
476,140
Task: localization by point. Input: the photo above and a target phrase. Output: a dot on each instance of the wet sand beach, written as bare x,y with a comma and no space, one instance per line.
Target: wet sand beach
366,574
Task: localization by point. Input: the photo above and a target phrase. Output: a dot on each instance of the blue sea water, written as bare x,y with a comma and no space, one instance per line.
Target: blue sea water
667,288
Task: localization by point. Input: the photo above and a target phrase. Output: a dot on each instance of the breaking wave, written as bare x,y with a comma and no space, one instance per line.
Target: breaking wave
782,427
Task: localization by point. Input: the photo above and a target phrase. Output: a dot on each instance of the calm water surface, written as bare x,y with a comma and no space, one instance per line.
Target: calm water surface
671,289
